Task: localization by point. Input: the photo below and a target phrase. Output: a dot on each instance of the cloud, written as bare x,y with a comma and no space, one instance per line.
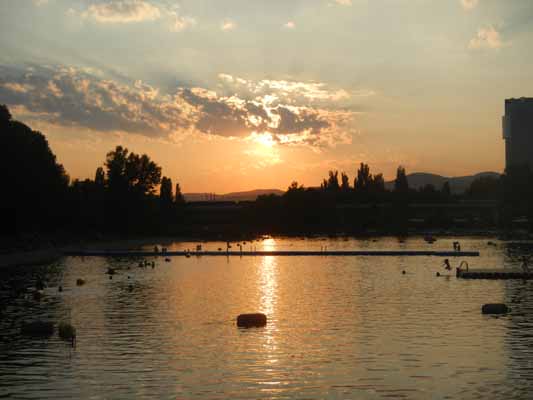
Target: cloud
290,25
487,38
227,25
75,97
288,91
344,2
469,4
122,11
68,96
180,23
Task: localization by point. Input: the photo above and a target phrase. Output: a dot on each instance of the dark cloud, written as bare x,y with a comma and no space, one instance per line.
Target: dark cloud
79,97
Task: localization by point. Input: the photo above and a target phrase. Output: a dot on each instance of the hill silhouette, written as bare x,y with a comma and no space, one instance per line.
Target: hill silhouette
249,195
458,185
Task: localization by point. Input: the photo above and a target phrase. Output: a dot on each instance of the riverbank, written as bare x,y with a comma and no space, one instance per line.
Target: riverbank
49,254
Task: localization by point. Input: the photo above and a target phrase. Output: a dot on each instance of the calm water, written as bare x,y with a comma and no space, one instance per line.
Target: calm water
339,327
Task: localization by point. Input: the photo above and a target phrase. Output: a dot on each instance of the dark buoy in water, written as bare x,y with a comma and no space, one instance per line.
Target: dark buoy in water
80,282
67,332
38,295
130,288
254,320
403,272
110,277
496,308
437,274
167,259
60,289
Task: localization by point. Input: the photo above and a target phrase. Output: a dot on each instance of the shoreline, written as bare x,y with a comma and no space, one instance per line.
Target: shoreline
41,256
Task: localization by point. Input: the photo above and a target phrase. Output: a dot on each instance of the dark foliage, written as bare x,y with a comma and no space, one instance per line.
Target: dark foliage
129,196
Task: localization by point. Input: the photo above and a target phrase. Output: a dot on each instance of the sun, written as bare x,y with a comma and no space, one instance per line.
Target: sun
264,149
265,139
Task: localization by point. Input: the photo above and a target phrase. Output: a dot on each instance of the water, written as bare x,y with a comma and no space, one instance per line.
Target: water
339,327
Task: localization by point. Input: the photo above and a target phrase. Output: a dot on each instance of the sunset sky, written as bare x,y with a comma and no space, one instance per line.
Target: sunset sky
231,95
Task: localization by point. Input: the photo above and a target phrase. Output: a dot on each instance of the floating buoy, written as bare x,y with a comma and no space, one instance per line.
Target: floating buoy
80,282
67,332
38,295
495,308
437,274
251,320
403,272
37,329
167,259
60,289
110,277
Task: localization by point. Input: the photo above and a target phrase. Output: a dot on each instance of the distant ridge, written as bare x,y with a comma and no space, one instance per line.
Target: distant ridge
458,184
249,195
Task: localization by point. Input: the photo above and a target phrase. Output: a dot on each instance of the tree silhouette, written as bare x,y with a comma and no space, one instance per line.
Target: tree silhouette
378,184
131,172
179,199
35,183
99,177
363,181
345,182
5,115
400,184
165,192
332,182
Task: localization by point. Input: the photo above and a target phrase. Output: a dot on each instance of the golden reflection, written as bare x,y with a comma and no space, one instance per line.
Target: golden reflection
269,284
268,280
269,244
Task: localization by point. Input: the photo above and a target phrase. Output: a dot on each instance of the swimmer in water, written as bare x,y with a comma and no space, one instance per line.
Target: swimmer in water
447,265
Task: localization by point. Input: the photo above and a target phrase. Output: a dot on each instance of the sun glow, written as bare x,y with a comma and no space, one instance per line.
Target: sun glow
265,139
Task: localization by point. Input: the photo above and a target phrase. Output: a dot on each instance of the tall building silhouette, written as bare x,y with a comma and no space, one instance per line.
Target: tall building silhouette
517,126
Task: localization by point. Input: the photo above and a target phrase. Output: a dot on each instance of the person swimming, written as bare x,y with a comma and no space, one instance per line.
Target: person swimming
525,266
447,265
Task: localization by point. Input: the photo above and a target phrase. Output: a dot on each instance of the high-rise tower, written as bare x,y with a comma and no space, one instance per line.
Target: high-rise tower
517,126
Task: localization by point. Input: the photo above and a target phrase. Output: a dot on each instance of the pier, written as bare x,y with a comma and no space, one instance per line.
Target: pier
380,253
493,274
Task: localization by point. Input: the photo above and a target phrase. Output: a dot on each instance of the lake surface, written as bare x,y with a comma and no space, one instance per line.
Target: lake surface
338,327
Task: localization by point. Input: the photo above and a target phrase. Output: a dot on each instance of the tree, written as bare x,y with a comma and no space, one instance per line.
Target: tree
401,185
345,182
378,184
35,184
99,177
332,183
165,192
364,178
179,200
129,172
5,115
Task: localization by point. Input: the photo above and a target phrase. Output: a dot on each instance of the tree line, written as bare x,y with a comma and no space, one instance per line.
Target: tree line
129,195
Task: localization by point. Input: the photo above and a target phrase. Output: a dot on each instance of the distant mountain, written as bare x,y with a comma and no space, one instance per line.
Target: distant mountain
458,185
249,195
